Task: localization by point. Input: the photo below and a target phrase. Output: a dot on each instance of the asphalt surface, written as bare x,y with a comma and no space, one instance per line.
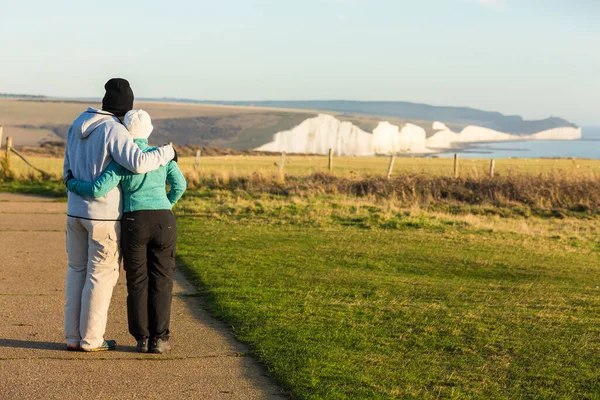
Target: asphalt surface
206,361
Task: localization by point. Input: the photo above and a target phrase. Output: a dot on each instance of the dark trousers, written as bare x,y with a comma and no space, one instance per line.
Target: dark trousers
148,240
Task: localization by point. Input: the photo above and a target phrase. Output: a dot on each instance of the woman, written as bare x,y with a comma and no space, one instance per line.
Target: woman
148,236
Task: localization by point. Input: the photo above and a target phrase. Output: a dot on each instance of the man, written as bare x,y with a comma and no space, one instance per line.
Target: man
93,225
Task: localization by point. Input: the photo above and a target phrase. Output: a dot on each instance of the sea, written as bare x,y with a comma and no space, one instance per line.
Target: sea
586,147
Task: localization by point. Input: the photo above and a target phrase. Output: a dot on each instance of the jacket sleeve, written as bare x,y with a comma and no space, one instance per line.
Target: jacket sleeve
107,181
177,182
124,151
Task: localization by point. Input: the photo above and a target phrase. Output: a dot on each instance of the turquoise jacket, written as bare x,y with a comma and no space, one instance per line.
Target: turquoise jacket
140,191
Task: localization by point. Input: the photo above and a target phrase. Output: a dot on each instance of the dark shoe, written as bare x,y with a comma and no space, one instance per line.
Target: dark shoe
142,345
71,347
105,346
160,346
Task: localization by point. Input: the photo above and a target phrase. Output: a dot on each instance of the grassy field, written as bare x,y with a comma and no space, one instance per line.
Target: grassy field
226,166
345,298
432,306
469,288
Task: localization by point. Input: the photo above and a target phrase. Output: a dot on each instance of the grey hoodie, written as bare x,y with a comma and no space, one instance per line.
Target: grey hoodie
95,139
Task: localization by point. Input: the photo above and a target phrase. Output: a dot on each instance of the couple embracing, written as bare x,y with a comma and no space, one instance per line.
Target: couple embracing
118,208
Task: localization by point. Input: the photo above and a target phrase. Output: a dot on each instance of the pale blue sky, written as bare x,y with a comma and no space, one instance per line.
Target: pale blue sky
531,57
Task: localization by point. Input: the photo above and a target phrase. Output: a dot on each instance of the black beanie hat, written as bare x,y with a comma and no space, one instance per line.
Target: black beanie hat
118,98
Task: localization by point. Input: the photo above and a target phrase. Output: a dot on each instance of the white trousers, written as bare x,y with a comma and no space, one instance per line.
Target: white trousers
94,258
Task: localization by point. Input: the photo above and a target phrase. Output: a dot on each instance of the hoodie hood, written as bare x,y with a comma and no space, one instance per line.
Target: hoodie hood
89,120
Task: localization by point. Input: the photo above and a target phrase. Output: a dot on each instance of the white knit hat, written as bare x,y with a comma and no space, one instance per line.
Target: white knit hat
138,123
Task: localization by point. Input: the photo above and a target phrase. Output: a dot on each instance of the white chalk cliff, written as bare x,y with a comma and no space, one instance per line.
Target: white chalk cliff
445,138
390,139
319,134
558,134
439,126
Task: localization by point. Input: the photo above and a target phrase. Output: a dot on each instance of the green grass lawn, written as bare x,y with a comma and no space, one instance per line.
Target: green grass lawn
51,188
427,312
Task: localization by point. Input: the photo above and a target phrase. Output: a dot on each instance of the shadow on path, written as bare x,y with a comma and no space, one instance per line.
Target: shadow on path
53,346
30,344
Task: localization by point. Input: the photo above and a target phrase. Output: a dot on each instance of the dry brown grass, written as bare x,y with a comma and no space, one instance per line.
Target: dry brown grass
521,187
554,194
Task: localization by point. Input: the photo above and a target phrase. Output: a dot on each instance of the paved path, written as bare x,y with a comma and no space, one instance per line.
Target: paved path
205,363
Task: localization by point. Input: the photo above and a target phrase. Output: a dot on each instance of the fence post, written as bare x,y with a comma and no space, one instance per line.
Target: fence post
22,157
281,165
330,159
197,163
8,151
492,165
1,129
456,165
391,166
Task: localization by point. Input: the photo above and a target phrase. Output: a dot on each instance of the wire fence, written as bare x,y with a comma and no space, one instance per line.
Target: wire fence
16,164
